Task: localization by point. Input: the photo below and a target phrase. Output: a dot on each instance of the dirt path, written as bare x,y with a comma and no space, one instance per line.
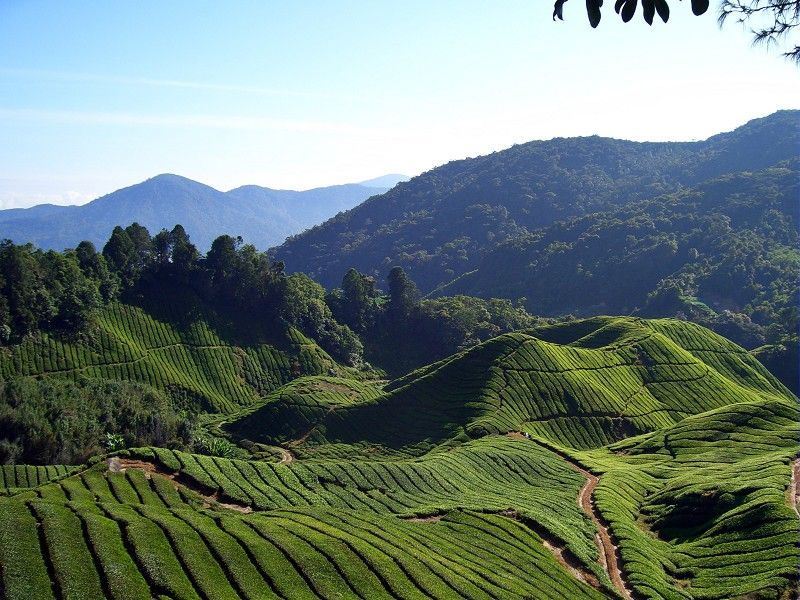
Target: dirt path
609,552
793,492
559,549
286,456
609,557
117,464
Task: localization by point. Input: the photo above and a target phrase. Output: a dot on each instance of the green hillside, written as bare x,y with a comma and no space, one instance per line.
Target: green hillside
707,508
582,384
439,225
603,458
706,231
729,245
183,351
124,535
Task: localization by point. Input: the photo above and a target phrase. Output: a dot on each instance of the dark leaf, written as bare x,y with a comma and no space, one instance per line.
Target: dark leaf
649,10
628,10
558,10
593,11
699,6
663,9
618,5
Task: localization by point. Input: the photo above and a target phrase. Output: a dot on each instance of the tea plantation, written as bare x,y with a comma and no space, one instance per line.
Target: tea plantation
603,458
188,356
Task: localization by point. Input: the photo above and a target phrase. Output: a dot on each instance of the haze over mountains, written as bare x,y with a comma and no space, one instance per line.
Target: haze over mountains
262,216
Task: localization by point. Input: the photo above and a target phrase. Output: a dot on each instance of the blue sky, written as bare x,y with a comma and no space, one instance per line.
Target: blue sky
96,95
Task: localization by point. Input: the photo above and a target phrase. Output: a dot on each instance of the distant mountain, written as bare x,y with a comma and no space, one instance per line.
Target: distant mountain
262,216
441,224
387,181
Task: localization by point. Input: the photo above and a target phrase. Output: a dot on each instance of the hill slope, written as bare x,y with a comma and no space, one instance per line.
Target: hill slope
731,243
702,505
262,216
583,384
440,224
182,349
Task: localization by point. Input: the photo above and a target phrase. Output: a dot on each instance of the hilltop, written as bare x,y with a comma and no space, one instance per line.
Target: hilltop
262,216
579,384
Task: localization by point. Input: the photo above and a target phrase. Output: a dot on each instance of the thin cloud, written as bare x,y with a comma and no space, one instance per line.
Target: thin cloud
75,77
189,121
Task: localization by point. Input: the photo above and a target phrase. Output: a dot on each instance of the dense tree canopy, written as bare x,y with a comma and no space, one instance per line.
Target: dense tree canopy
62,422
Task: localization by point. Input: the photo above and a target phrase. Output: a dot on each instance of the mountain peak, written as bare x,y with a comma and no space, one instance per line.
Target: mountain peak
170,179
260,215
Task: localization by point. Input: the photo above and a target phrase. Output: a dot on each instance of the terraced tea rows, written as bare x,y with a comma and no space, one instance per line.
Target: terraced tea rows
620,377
701,508
407,492
493,474
17,477
328,531
300,405
129,344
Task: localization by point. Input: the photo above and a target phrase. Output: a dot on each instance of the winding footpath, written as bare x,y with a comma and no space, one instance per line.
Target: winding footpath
608,552
794,486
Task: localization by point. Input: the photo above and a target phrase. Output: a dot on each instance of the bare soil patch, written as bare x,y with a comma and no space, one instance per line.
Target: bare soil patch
793,492
428,519
287,456
117,464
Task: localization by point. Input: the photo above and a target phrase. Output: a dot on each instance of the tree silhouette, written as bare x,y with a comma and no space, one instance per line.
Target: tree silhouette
627,8
773,19
776,19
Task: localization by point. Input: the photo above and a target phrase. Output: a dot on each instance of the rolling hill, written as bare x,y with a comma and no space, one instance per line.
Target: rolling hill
603,458
581,384
262,216
182,349
730,243
442,224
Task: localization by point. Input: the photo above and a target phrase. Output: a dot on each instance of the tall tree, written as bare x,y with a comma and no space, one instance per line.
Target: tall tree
119,252
403,294
142,248
29,303
184,253
359,300
94,266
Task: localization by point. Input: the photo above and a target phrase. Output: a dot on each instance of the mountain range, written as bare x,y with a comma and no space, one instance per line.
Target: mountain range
440,225
708,231
260,215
